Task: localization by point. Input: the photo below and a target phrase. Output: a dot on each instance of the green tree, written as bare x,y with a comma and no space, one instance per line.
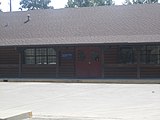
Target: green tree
88,3
144,1
35,4
103,2
0,9
128,2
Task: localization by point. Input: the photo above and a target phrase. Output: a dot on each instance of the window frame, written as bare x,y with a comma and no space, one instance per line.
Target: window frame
25,56
147,55
46,56
133,59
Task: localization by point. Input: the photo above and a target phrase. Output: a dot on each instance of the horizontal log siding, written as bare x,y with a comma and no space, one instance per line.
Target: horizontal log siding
38,71
9,55
66,67
9,59
8,70
120,70
152,71
111,55
113,69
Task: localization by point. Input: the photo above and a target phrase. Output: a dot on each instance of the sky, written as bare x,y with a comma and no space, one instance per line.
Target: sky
56,3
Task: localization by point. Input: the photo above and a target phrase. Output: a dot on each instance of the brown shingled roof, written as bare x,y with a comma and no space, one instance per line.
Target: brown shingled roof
114,24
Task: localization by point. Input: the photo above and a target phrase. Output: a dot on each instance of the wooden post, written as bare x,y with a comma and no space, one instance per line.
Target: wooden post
138,62
74,61
57,62
102,60
20,62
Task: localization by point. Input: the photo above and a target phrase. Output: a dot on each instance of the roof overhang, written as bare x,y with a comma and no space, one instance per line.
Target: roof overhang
86,40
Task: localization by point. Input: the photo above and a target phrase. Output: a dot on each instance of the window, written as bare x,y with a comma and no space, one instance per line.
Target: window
95,56
51,56
127,55
150,55
40,56
81,56
29,56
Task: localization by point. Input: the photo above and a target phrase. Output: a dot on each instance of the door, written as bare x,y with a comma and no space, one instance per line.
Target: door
88,62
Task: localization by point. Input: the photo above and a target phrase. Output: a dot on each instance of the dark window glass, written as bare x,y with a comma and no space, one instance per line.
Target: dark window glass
150,55
51,51
40,56
30,60
51,59
143,55
30,56
143,58
51,56
95,56
127,55
41,59
41,51
81,55
30,52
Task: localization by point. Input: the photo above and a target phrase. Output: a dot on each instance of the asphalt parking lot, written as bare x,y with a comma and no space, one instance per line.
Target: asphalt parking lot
79,101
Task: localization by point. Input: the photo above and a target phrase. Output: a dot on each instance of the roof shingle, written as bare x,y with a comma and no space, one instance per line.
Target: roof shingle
114,24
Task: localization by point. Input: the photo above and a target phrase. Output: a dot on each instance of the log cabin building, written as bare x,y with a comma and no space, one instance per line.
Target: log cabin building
95,42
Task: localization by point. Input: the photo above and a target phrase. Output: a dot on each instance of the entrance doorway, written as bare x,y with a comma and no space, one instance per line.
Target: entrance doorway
88,62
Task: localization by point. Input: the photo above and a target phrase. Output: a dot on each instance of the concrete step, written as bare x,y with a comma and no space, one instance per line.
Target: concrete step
15,115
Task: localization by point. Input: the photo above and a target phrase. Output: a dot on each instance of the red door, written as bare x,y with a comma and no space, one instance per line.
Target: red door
88,62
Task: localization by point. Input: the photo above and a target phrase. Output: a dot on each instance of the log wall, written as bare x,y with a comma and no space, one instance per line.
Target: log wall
38,71
150,71
9,55
9,59
66,66
112,68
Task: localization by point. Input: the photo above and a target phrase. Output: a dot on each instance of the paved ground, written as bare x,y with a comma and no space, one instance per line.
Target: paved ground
68,118
117,81
76,101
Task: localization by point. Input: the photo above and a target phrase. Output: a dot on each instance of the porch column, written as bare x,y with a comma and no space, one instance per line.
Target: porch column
57,62
138,63
102,60
20,65
19,50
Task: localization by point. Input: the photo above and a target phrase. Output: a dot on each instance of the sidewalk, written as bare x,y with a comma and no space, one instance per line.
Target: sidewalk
118,81
77,101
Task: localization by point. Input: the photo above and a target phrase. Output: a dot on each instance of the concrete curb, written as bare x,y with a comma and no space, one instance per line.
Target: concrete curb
15,115
114,81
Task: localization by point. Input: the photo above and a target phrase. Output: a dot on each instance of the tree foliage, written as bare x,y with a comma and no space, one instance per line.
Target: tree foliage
128,2
0,9
88,3
35,4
